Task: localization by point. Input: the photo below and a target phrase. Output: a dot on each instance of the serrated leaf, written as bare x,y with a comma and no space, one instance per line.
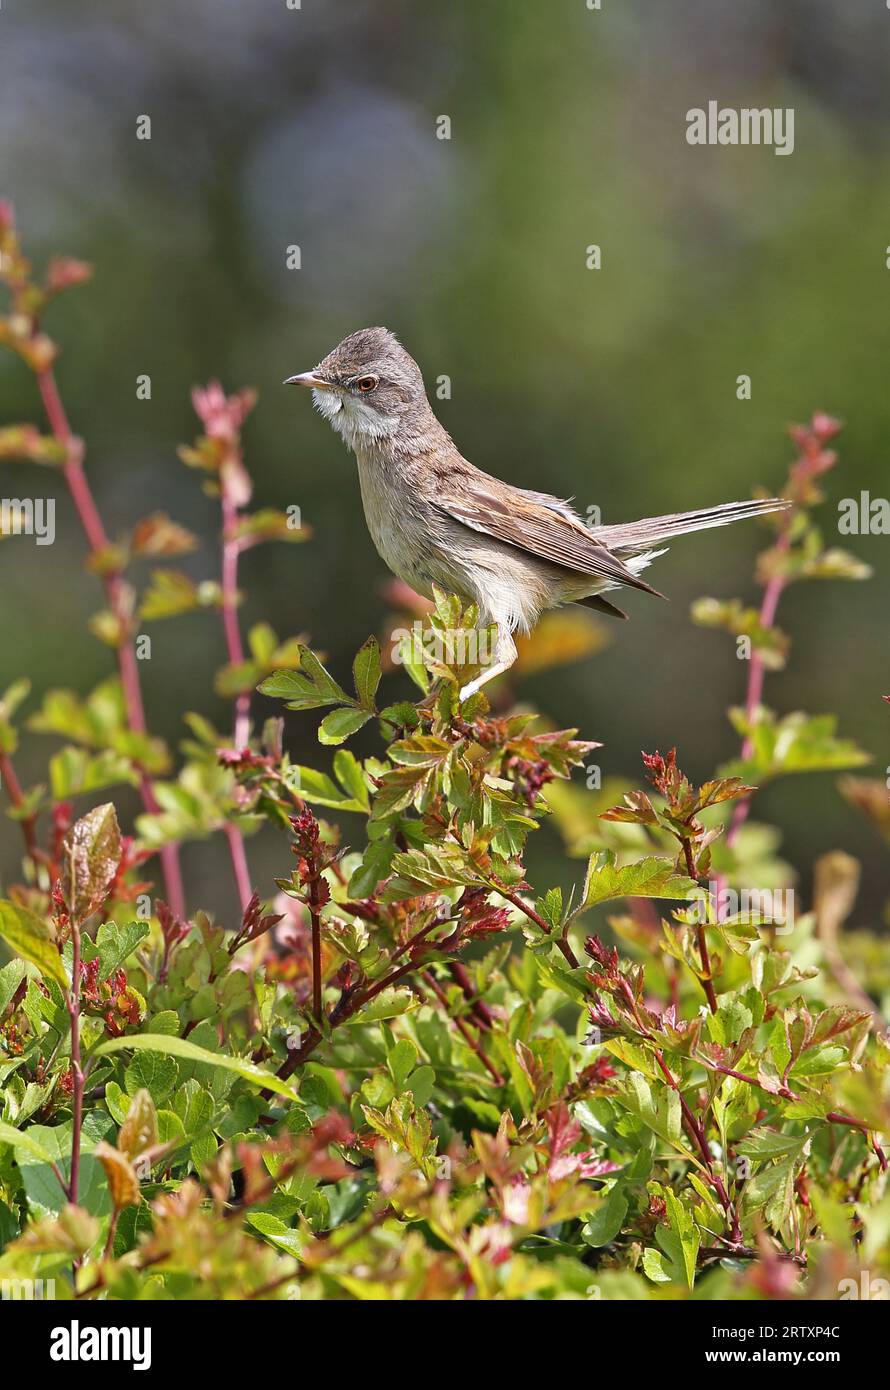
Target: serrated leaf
307,688
117,943
647,878
170,593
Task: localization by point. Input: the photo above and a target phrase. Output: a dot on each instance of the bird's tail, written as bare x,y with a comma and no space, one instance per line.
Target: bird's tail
633,536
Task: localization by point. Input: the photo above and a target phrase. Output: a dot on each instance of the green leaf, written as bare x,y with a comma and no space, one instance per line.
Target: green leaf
166,1022
318,789
374,866
151,1072
660,1112
606,1222
349,773
23,1140
11,977
45,1194
389,1003
772,1190
194,1106
401,1062
307,688
170,593
116,944
437,867
656,1268
366,673
274,1230
74,772
181,1047
770,643
685,1230
766,1143
647,878
337,726
421,1083
30,938
797,742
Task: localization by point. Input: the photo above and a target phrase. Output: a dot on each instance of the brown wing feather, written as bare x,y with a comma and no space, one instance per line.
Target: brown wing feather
546,531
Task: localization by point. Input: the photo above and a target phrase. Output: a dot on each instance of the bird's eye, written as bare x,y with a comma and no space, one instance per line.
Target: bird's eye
367,383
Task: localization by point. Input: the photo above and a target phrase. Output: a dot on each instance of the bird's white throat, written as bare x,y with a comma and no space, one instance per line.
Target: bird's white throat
358,423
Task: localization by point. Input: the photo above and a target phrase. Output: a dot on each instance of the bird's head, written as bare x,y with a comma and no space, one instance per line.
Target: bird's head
368,387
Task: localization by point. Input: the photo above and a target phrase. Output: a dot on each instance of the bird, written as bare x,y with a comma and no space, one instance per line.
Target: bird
438,521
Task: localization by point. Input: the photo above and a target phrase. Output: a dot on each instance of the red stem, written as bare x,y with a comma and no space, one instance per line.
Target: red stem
480,1010
240,868
538,920
753,695
315,906
462,1028
234,647
14,792
693,1127
115,590
707,983
76,1069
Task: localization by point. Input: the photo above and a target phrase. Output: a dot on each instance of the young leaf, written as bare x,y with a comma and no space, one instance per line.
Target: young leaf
139,1130
91,853
123,1183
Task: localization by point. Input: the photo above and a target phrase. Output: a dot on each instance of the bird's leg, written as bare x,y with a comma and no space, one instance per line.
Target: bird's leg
504,653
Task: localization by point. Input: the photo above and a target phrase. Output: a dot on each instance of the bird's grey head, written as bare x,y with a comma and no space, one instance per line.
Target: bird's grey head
369,388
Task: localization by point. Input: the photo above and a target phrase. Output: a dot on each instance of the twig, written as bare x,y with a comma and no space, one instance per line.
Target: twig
478,1007
17,800
231,551
706,982
118,601
315,905
693,1127
77,1074
835,1117
348,1005
753,694
533,916
462,1028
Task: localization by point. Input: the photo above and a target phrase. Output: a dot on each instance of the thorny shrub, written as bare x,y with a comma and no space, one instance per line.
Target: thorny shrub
406,1073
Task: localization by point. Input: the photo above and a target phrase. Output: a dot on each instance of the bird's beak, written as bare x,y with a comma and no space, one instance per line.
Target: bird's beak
309,379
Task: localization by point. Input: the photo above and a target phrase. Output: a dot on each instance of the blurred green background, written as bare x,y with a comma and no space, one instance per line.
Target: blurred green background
317,127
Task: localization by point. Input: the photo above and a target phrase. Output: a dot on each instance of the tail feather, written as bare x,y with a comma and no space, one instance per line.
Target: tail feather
632,536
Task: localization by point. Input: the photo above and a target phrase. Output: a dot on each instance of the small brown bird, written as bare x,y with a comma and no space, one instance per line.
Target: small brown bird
436,519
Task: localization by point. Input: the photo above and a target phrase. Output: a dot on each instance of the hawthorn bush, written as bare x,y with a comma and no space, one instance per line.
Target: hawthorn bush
401,1072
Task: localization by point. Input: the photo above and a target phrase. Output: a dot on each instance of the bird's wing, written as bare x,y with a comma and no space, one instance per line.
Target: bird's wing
541,525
